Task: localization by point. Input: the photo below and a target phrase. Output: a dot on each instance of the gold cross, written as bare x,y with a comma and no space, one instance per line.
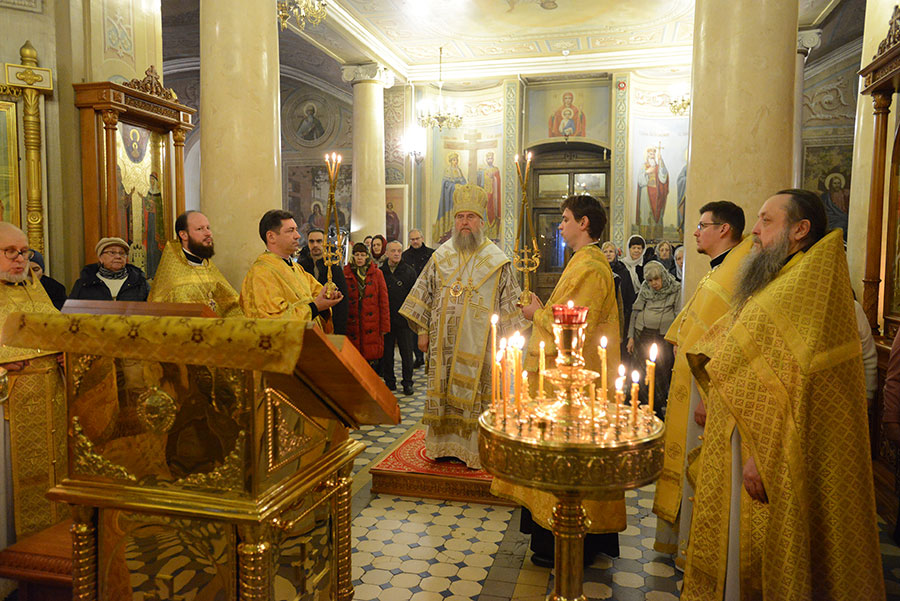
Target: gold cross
29,77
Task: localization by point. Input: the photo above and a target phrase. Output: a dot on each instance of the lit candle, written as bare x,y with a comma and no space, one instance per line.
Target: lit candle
498,362
620,399
516,343
525,385
494,319
651,376
593,406
635,377
542,366
603,375
504,383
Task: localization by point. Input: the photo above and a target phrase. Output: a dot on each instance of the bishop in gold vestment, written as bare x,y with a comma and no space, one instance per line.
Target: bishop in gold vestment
786,415
466,280
33,436
186,273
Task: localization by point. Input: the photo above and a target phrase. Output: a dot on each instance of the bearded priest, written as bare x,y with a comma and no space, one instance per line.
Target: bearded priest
467,279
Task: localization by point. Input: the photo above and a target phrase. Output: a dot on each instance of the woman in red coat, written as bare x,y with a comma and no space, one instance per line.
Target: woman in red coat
369,318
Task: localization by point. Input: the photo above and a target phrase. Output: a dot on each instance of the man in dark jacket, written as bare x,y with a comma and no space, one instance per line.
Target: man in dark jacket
417,256
112,278
313,261
400,278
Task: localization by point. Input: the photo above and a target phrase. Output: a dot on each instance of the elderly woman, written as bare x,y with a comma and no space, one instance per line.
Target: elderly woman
623,283
112,278
679,263
665,256
654,310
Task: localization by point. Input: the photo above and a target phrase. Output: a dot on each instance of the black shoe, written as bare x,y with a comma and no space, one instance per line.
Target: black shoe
407,390
417,364
542,561
391,386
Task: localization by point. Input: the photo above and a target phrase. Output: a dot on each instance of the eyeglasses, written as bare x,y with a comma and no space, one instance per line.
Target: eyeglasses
702,225
14,253
115,253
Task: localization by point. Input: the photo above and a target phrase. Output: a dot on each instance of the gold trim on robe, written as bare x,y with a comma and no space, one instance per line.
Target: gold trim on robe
587,281
274,290
787,372
179,281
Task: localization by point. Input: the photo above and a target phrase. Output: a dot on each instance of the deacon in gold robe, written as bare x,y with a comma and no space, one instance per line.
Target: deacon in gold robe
276,287
718,234
588,282
186,273
785,506
33,433
467,279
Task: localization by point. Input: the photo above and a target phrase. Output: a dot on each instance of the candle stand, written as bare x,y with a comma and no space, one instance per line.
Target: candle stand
571,443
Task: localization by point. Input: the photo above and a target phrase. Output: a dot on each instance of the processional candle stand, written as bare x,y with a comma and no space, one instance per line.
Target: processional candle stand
525,259
573,442
332,249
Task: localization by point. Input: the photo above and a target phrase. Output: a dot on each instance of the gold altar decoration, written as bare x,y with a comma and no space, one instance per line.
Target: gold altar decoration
303,11
332,249
573,442
223,443
30,81
525,259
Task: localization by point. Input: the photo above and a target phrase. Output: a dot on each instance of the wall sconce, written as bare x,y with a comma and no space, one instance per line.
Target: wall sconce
413,144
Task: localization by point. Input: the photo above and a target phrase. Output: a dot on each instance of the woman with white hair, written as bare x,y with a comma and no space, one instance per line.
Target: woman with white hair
679,263
657,304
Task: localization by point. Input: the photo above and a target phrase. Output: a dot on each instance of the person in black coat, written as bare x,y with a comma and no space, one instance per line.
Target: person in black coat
623,282
417,256
313,262
55,290
400,279
112,278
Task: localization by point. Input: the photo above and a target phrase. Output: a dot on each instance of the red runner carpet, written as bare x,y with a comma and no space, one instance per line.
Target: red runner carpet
408,472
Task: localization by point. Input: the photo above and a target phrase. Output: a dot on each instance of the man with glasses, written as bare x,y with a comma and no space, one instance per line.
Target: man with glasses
111,278
35,424
718,232
417,256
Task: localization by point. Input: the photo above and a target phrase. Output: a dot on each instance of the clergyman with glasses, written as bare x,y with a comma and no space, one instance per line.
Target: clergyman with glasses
35,412
112,277
718,235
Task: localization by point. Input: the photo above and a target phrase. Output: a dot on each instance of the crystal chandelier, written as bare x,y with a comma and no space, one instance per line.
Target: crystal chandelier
437,114
303,11
680,105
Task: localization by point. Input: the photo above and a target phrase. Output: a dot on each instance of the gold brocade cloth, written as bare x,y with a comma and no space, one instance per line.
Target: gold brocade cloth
452,302
179,281
787,372
270,345
588,282
710,301
29,296
272,289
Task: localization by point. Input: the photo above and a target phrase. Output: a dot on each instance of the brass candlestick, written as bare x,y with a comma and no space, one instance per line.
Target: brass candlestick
525,259
332,249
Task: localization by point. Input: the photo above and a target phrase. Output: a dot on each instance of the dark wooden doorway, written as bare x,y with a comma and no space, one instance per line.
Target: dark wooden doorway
559,170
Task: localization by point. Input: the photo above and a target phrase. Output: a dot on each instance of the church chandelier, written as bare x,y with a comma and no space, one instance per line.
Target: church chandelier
681,105
303,11
437,113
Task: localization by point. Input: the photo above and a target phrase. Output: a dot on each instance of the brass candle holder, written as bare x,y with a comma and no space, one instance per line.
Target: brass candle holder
525,259
573,443
332,249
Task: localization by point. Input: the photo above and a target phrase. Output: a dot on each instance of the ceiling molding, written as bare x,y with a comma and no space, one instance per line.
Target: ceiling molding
847,51
186,65
375,48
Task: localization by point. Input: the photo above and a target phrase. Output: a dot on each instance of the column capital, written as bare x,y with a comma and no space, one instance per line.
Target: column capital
807,40
369,72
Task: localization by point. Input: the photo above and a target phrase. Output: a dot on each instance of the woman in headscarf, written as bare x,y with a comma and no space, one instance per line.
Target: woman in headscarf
369,315
633,259
379,244
665,255
654,310
623,281
679,263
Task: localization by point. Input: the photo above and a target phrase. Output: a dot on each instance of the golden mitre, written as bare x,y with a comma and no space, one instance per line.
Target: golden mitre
469,197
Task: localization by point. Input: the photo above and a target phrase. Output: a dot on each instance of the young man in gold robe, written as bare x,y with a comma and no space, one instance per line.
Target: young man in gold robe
718,236
785,506
33,433
467,279
588,282
276,287
186,273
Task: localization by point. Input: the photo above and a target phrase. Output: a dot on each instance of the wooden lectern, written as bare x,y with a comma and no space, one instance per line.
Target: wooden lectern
208,458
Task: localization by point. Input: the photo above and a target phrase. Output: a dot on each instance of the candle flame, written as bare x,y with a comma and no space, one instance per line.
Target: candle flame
542,345
503,343
635,376
338,158
570,304
528,156
619,383
499,357
653,352
516,160
621,370
603,341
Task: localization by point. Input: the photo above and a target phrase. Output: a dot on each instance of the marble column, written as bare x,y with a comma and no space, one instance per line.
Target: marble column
367,208
742,107
806,41
240,174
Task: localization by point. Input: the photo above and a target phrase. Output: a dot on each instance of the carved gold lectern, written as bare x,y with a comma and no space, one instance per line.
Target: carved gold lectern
209,458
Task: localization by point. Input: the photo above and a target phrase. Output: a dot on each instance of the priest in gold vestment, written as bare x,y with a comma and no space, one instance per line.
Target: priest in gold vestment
467,279
186,273
785,506
33,432
718,236
276,287
587,281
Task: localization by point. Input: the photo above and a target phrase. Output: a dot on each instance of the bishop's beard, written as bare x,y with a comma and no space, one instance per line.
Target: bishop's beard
200,250
467,242
760,268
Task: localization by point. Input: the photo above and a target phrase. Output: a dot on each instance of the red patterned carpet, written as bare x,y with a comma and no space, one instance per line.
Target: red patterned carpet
407,471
